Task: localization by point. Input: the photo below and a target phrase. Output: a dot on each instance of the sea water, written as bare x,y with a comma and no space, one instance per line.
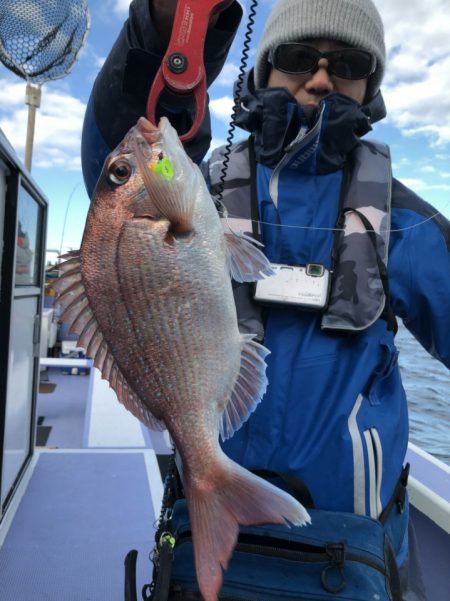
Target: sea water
427,385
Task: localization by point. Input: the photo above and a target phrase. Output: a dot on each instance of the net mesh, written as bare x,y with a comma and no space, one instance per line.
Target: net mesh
40,39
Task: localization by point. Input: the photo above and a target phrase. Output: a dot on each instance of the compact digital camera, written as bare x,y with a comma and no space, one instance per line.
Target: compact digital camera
303,286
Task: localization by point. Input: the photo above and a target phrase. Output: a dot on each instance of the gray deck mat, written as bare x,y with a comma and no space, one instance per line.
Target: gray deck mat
80,515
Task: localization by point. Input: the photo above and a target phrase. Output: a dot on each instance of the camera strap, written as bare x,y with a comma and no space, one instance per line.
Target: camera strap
387,314
360,287
254,211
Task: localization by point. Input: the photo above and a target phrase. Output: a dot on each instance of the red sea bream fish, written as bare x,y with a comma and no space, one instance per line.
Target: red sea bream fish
149,294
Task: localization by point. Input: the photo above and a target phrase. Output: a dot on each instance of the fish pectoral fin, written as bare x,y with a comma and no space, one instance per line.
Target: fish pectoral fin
249,388
246,262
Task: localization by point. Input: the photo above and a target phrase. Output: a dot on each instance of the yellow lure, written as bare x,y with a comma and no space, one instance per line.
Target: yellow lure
165,167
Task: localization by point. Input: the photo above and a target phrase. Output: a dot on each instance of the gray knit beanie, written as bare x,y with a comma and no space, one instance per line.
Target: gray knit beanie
354,22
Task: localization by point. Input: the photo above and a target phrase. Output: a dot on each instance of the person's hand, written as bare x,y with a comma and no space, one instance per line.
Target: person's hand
163,13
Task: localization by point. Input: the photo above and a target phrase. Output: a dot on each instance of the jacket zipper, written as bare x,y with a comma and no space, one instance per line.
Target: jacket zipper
302,139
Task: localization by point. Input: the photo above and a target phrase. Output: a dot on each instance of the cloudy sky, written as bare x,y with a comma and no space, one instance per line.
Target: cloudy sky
416,90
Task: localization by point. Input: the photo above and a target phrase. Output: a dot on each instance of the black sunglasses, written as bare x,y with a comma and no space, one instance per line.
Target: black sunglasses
348,63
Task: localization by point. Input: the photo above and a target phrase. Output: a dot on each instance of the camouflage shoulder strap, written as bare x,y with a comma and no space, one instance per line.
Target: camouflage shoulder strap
359,290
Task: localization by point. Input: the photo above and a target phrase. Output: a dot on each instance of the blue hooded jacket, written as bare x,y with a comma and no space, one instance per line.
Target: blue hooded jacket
335,413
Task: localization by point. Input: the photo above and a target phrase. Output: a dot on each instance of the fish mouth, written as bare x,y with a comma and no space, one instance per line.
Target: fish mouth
151,133
147,143
157,171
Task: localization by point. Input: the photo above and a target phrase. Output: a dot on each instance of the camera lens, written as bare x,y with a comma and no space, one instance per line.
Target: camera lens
314,269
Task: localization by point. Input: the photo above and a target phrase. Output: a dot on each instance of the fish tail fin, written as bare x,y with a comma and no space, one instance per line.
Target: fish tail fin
216,511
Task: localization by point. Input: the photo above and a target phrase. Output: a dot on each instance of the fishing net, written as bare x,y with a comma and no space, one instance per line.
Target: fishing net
40,39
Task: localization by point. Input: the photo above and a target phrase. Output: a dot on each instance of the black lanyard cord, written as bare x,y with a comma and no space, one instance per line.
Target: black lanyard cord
237,98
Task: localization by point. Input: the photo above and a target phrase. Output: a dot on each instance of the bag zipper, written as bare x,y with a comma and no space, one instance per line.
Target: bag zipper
250,543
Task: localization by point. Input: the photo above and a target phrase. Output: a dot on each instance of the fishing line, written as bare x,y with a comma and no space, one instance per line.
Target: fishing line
65,216
228,216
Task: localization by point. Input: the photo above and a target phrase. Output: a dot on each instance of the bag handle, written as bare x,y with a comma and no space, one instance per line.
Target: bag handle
398,496
297,487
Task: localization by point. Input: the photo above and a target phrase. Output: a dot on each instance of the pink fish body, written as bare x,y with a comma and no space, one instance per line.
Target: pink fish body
150,295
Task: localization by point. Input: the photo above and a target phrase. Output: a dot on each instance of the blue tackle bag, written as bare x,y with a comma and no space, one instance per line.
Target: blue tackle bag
339,556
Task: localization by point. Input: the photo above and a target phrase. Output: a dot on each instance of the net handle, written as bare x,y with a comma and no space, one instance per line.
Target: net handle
33,99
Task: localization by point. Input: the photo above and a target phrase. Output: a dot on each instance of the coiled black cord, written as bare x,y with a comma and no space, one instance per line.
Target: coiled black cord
239,84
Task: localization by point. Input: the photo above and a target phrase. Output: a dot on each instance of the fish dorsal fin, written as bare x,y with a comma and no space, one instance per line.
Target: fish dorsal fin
246,262
249,388
77,311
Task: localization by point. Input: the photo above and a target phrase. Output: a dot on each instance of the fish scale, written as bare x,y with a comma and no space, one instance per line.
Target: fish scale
183,285
150,294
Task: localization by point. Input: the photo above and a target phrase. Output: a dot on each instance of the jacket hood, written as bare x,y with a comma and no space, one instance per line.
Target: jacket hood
275,119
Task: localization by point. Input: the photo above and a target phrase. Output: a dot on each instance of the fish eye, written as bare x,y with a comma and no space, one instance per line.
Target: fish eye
119,172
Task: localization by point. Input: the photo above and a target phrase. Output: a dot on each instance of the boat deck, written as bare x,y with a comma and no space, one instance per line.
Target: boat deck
94,490
92,493
82,511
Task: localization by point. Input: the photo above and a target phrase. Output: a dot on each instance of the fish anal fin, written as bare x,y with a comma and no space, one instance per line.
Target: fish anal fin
246,262
249,388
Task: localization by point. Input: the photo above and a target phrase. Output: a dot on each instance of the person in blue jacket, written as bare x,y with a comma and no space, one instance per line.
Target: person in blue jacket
335,413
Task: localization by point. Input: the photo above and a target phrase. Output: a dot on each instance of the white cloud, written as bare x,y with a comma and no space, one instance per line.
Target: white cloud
443,187
99,61
215,143
420,185
439,134
414,183
59,122
120,7
89,54
416,87
228,75
222,108
417,82
12,94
